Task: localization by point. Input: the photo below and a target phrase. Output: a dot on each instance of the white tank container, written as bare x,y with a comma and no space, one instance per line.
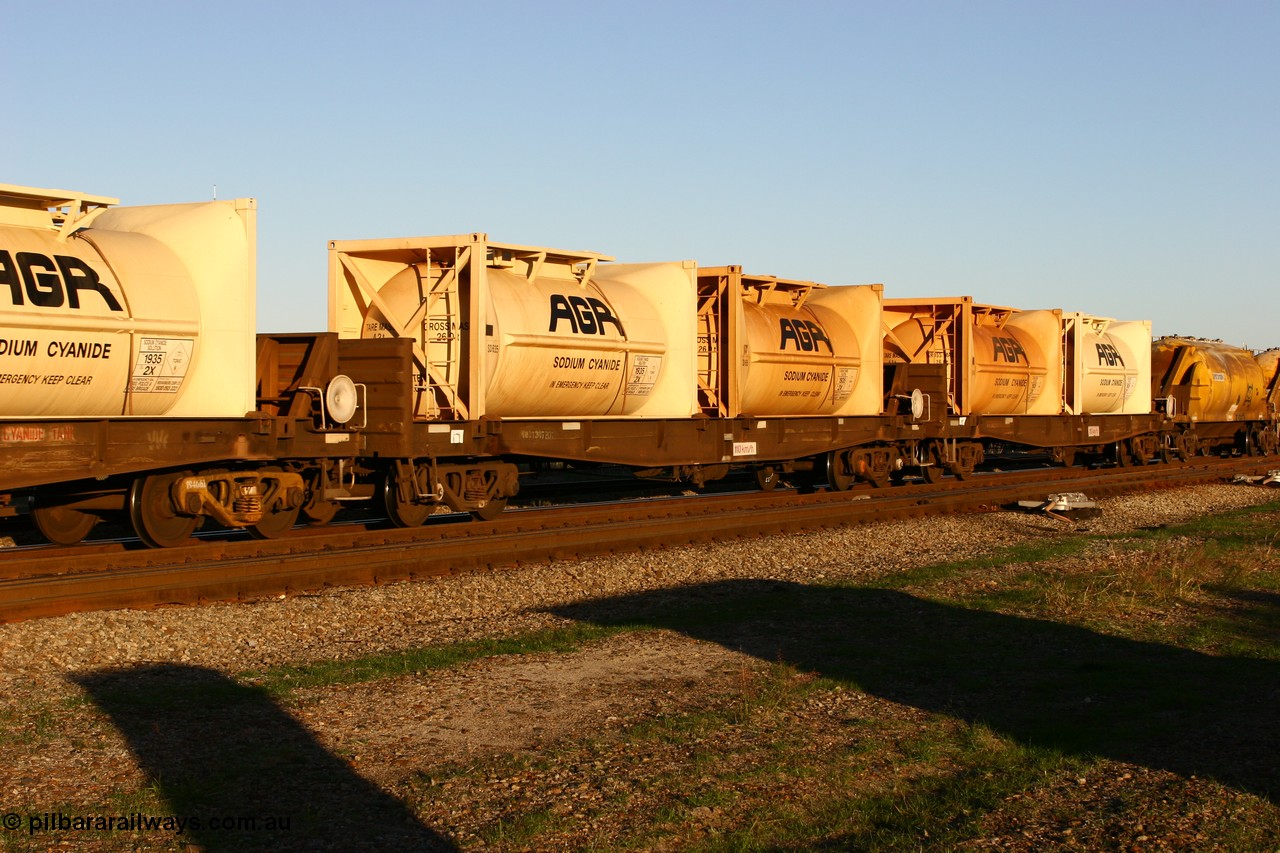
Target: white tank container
1109,365
142,311
558,334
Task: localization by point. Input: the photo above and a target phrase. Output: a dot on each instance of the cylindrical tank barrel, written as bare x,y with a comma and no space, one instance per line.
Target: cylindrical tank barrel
561,349
105,312
102,324
798,361
1269,361
1221,382
1110,362
1010,372
554,346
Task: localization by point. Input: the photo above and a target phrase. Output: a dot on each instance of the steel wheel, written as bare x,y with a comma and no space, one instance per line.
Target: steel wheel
1136,454
152,513
63,525
490,510
317,511
767,478
279,518
1254,442
838,477
931,469
931,473
275,524
1123,459
402,512
1267,441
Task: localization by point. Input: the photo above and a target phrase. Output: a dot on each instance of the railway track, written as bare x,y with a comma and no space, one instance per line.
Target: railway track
37,582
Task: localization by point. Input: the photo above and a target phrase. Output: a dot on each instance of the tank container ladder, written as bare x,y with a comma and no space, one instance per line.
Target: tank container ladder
440,306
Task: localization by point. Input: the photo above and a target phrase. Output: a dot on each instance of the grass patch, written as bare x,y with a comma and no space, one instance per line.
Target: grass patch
1033,552
1207,584
319,674
933,811
39,828
523,829
884,785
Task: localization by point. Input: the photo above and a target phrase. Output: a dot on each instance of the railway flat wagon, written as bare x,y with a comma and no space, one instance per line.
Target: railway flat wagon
1057,382
516,353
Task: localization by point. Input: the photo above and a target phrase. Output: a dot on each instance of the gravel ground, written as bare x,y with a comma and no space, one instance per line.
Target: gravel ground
398,740
38,655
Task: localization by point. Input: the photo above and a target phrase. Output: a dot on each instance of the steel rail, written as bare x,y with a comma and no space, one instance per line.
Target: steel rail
109,575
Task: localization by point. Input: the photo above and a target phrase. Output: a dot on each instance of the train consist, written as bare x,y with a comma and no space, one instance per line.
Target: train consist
135,386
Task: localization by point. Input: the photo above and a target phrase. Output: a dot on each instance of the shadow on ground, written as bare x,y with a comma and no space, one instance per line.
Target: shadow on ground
217,750
1039,682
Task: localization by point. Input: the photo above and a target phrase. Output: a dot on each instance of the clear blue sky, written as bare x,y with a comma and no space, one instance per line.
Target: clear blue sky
1118,158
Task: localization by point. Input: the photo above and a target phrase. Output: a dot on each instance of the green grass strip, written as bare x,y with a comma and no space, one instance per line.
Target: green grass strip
332,673
1226,531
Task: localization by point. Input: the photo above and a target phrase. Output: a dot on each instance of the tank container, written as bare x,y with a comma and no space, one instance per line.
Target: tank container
1108,365
555,334
127,311
810,351
1000,361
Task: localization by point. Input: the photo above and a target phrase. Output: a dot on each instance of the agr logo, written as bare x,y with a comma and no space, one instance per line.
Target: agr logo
1109,355
51,282
586,315
805,334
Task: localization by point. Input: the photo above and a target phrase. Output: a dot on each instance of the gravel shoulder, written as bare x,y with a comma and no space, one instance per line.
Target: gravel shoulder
355,621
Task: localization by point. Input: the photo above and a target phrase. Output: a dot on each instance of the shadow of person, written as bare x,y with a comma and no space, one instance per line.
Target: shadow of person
1042,683
241,772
